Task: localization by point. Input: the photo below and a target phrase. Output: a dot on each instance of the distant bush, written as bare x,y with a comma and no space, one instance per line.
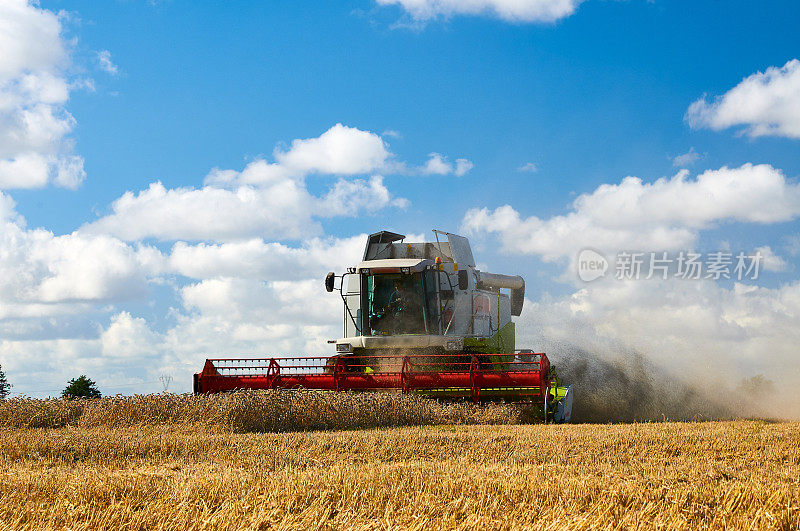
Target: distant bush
81,387
5,387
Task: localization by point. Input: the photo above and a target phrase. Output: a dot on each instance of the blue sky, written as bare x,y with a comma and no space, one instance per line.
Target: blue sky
592,98
599,94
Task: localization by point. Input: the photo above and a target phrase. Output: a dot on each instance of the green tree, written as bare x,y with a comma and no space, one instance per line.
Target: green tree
4,385
81,387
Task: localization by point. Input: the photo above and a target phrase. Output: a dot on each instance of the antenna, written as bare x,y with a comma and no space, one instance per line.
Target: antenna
166,379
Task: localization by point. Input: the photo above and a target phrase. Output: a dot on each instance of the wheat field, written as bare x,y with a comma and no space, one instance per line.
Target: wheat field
167,462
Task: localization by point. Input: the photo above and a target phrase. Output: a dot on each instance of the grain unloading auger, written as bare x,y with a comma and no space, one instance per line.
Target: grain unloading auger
418,318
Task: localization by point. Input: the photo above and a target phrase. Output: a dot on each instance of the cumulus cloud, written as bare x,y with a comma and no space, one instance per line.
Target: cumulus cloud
238,316
770,260
64,299
437,164
129,337
124,357
35,148
256,298
281,210
509,10
259,259
763,104
267,199
105,62
529,167
349,198
341,150
708,333
43,275
686,159
792,243
663,215
284,209
699,331
251,298
462,167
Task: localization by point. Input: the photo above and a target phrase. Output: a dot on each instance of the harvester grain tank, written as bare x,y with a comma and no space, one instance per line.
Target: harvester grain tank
418,318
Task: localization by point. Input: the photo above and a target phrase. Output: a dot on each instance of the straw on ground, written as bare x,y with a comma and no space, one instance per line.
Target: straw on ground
160,466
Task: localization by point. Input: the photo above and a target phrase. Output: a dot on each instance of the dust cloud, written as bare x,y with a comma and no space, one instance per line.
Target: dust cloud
628,387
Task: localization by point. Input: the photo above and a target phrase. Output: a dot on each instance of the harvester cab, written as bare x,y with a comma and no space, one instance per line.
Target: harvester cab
425,298
418,318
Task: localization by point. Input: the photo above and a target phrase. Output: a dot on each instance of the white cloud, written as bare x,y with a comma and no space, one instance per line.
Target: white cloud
257,259
687,159
265,200
97,268
42,274
340,150
765,104
437,164
253,298
462,167
125,357
792,242
105,62
633,215
34,124
530,167
8,211
697,330
282,210
770,260
509,10
129,337
349,198
30,39
26,170
233,316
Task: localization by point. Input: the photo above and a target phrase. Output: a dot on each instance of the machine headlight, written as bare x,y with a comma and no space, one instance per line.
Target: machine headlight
405,270
343,347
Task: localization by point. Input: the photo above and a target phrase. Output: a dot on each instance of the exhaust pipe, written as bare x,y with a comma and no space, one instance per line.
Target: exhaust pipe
513,282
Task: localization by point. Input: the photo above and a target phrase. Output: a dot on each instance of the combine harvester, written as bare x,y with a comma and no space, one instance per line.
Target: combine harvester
418,318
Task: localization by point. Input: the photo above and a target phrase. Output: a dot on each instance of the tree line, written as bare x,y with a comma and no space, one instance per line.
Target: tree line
80,387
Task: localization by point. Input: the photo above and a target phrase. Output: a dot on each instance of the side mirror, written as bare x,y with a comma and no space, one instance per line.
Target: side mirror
330,278
463,280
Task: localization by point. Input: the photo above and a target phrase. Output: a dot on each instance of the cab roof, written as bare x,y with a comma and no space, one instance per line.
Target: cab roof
395,265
